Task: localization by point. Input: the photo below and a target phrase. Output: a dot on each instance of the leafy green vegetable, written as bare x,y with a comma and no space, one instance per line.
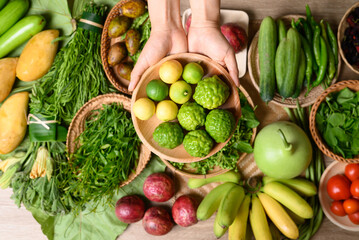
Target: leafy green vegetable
337,120
108,152
227,157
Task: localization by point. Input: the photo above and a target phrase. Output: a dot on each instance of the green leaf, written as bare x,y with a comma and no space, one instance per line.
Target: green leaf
329,137
336,119
242,147
78,5
47,222
345,95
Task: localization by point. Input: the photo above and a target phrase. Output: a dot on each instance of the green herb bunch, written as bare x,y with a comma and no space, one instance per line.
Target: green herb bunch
228,156
109,148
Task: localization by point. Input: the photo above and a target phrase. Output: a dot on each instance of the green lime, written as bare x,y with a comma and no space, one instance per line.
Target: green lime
166,110
180,92
157,90
192,73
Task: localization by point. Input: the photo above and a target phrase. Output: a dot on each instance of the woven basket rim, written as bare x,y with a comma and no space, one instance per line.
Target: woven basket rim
340,34
83,113
219,171
313,128
289,102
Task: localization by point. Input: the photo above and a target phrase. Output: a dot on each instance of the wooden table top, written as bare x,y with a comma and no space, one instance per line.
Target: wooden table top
20,225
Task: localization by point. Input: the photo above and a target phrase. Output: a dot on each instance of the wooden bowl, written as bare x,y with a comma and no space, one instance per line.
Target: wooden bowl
119,83
191,173
77,126
146,128
340,35
351,84
253,68
325,201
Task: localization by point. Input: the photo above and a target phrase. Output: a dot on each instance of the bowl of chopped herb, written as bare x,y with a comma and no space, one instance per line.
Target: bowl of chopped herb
334,121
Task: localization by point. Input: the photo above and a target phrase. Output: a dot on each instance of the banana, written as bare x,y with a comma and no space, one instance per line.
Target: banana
288,198
228,208
238,229
230,176
217,229
211,201
302,186
279,216
258,221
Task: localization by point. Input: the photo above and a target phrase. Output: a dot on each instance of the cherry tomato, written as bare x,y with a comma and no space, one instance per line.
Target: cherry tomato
351,205
354,188
352,171
337,208
354,218
338,187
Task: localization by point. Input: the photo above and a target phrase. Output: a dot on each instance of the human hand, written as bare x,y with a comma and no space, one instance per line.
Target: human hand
207,39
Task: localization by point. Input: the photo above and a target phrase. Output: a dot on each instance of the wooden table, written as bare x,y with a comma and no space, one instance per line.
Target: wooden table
18,223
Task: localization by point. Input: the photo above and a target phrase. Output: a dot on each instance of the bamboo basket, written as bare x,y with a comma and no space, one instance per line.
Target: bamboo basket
352,85
190,173
77,126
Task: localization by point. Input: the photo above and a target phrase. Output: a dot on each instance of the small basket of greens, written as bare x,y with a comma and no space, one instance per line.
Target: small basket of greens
334,121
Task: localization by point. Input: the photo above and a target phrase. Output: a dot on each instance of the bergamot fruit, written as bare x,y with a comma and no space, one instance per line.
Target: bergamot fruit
168,135
198,143
191,116
211,92
219,124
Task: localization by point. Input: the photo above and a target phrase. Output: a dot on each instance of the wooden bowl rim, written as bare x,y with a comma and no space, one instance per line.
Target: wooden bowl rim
340,34
219,171
251,70
144,76
77,123
313,128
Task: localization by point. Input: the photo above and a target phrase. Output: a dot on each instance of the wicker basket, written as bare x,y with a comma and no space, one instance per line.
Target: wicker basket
106,43
253,68
217,170
77,126
340,35
351,84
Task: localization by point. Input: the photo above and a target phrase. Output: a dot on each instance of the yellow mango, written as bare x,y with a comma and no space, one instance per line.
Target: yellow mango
13,122
7,76
37,56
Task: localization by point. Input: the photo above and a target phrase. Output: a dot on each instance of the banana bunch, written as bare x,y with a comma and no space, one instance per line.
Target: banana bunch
281,200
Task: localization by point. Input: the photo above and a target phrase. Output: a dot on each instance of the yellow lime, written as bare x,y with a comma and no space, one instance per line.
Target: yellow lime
170,71
166,110
144,108
180,92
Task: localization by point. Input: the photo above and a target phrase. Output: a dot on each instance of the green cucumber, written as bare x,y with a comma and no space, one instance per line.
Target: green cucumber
282,31
2,3
300,75
20,33
267,45
11,13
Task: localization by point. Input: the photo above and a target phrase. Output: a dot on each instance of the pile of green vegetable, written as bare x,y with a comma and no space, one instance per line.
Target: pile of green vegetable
228,156
287,59
337,120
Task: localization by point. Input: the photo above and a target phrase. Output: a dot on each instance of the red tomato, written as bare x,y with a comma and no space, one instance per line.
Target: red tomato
354,218
354,189
338,187
351,205
352,171
337,208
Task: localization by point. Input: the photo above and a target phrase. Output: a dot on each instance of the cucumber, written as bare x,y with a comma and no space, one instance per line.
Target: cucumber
300,75
267,45
282,31
20,33
280,62
11,13
2,3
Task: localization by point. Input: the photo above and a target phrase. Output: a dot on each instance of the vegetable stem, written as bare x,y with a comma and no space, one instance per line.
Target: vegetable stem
287,146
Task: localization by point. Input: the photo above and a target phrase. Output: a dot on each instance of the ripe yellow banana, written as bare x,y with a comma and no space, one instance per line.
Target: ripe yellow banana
258,220
238,229
211,201
228,208
279,216
230,176
288,198
217,229
302,186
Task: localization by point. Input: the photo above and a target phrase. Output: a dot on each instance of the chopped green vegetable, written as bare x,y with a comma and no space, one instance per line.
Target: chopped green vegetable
337,120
